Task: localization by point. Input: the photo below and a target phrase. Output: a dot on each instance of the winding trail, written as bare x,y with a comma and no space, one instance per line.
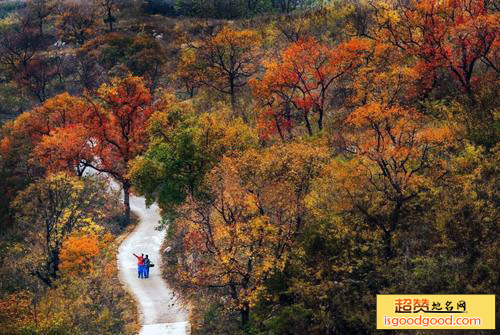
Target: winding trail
160,313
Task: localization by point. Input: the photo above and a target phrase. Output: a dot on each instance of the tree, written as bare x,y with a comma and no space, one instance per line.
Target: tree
120,117
329,22
226,60
52,209
304,79
468,213
106,133
37,75
76,22
89,71
183,147
109,6
59,111
185,73
27,149
451,36
243,232
143,55
19,43
395,155
21,56
41,9
17,169
287,6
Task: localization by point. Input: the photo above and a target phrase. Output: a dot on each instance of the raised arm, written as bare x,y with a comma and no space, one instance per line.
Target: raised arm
135,255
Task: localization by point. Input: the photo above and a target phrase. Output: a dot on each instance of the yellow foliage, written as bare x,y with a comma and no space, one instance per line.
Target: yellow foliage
257,208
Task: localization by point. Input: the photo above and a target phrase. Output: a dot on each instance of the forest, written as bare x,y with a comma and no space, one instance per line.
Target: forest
306,156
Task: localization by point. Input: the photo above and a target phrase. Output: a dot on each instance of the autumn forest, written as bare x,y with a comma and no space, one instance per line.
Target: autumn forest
305,156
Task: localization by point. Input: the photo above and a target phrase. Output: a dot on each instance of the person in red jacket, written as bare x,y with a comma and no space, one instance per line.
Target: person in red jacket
140,265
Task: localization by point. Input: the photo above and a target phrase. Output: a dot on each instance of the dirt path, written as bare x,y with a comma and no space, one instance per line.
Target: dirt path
159,311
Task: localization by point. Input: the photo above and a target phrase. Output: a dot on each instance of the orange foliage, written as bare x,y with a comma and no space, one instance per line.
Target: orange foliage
17,307
396,154
385,78
59,111
66,149
71,132
246,230
304,78
78,254
120,123
56,133
5,145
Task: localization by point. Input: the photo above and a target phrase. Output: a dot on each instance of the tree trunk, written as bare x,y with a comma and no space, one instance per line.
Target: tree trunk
288,117
45,279
54,263
320,120
110,19
388,244
308,124
393,224
233,99
40,27
126,201
245,314
278,127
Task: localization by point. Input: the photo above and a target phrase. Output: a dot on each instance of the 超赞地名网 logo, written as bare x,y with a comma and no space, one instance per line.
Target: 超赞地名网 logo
436,311
429,306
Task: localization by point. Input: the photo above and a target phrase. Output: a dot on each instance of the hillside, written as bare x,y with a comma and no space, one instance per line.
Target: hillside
304,156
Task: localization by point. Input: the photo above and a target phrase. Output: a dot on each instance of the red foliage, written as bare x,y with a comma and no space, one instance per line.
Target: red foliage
453,35
300,83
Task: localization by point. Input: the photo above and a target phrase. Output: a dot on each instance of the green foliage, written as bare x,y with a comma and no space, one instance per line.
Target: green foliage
158,7
293,317
7,7
171,165
222,9
11,103
184,147
120,53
